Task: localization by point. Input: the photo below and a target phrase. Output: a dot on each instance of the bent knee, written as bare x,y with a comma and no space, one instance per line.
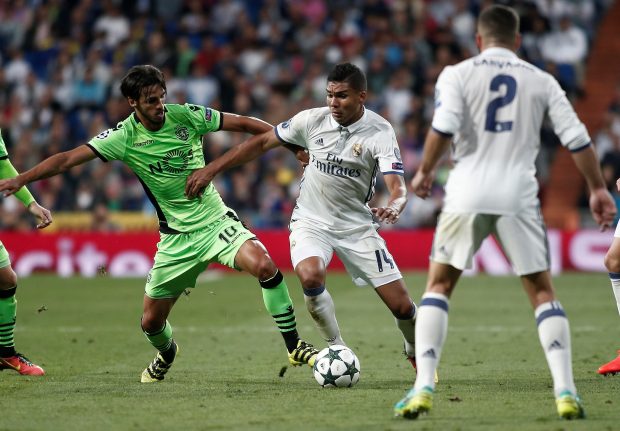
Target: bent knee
612,262
8,279
311,278
265,268
403,310
151,323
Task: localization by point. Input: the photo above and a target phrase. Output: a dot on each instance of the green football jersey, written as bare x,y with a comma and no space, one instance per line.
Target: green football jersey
162,161
3,152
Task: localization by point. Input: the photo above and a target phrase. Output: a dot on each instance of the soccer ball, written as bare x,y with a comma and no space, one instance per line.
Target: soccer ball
336,366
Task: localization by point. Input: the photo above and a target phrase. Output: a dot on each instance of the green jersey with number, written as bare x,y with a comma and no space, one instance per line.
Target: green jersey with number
163,160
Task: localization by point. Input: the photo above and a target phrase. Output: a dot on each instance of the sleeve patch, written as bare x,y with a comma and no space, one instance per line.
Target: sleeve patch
103,134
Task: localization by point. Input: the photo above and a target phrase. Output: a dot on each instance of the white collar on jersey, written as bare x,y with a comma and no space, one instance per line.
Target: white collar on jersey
496,51
351,127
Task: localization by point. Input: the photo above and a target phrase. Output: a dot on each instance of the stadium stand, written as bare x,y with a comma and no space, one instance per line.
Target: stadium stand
61,62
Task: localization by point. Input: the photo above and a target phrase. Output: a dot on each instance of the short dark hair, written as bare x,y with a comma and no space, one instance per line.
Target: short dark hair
499,23
349,73
140,77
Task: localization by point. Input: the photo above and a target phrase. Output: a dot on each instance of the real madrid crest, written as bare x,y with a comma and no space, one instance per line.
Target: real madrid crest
357,150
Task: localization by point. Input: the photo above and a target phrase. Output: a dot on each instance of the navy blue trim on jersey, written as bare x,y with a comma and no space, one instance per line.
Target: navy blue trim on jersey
163,223
583,147
444,134
275,129
402,174
550,313
614,275
434,302
373,181
97,153
4,157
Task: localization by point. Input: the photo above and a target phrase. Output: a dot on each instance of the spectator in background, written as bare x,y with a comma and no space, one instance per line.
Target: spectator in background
113,25
566,47
264,58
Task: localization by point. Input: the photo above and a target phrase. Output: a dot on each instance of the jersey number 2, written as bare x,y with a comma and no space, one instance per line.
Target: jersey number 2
510,85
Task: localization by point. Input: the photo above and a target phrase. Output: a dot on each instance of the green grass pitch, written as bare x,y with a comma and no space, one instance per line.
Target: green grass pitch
493,375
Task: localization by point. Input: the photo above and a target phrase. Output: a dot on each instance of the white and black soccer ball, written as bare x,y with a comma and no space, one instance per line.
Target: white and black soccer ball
336,366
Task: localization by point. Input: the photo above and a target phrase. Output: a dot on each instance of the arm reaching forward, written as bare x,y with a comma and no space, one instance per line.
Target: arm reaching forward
48,168
248,150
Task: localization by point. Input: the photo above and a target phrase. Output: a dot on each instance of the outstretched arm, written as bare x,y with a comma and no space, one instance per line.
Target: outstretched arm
435,145
396,203
253,125
602,205
249,149
241,123
48,168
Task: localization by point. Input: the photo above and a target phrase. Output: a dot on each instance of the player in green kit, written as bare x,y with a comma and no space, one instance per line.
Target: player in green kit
162,144
9,358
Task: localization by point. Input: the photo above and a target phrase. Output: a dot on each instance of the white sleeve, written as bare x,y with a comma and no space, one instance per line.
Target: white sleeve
448,102
294,131
388,153
570,130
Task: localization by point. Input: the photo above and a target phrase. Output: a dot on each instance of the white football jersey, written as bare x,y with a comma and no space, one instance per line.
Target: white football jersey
494,104
340,179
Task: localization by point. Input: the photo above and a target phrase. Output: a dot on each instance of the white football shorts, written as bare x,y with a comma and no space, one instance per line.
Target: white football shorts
523,237
362,251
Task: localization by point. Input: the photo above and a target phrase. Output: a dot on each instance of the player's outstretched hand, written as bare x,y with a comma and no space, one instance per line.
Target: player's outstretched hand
422,183
10,185
43,216
198,181
386,214
603,207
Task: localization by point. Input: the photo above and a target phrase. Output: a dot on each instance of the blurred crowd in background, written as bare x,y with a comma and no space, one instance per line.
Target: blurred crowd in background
62,61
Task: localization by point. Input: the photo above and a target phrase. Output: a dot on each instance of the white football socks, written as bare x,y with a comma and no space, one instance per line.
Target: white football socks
614,277
407,327
321,308
554,335
431,330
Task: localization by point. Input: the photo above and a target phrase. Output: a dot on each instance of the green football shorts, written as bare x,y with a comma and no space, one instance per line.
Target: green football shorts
180,258
4,256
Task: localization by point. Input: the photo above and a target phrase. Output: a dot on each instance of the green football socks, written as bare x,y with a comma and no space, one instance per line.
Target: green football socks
279,304
162,339
8,306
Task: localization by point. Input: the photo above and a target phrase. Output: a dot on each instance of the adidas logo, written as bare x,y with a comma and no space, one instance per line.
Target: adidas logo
318,141
556,345
430,353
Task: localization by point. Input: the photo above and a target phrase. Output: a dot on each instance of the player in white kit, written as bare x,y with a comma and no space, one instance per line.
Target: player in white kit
490,109
612,263
347,145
